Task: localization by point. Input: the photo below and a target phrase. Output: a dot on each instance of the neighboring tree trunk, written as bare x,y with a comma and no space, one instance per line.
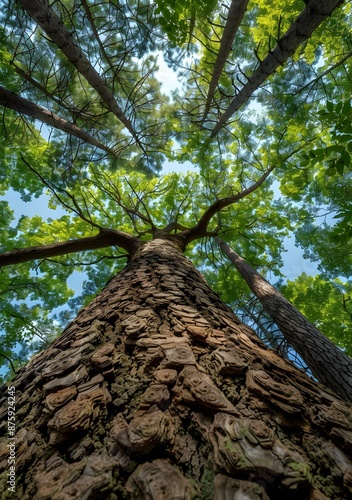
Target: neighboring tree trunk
233,21
310,18
327,362
157,391
11,100
50,23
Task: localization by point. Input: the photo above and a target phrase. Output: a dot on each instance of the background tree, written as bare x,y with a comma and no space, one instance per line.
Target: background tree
156,388
327,362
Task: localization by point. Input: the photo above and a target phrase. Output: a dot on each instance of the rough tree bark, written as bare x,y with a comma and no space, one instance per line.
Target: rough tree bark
328,363
157,391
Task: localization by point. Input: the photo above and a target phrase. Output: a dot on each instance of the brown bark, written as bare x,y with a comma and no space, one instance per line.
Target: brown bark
105,238
13,101
233,21
47,19
157,391
310,18
326,361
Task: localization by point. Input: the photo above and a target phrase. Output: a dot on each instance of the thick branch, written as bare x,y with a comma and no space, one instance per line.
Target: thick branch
234,18
47,19
105,238
327,362
310,18
200,229
11,100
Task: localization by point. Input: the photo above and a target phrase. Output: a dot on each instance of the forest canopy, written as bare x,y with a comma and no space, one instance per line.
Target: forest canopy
259,127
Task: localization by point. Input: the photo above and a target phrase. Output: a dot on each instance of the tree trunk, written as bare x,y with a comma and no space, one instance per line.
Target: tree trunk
45,16
157,391
315,12
328,363
11,100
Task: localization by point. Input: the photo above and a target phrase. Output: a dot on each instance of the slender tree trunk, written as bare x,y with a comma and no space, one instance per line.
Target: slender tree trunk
310,18
157,391
233,21
47,19
327,362
11,100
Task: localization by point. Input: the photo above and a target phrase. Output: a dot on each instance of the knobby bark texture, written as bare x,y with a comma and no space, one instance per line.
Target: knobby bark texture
328,363
157,391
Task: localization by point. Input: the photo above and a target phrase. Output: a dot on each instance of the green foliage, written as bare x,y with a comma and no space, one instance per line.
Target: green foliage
337,155
336,158
176,18
271,22
7,78
326,303
333,258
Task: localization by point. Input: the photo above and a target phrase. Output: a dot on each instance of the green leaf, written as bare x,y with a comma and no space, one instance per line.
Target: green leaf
340,166
330,106
330,172
338,107
345,159
346,108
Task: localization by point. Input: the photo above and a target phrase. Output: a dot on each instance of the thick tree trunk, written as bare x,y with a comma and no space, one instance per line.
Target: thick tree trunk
157,391
328,363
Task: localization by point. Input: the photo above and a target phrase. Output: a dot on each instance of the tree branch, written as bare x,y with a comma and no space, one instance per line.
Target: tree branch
326,72
106,238
234,18
200,229
13,101
9,360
